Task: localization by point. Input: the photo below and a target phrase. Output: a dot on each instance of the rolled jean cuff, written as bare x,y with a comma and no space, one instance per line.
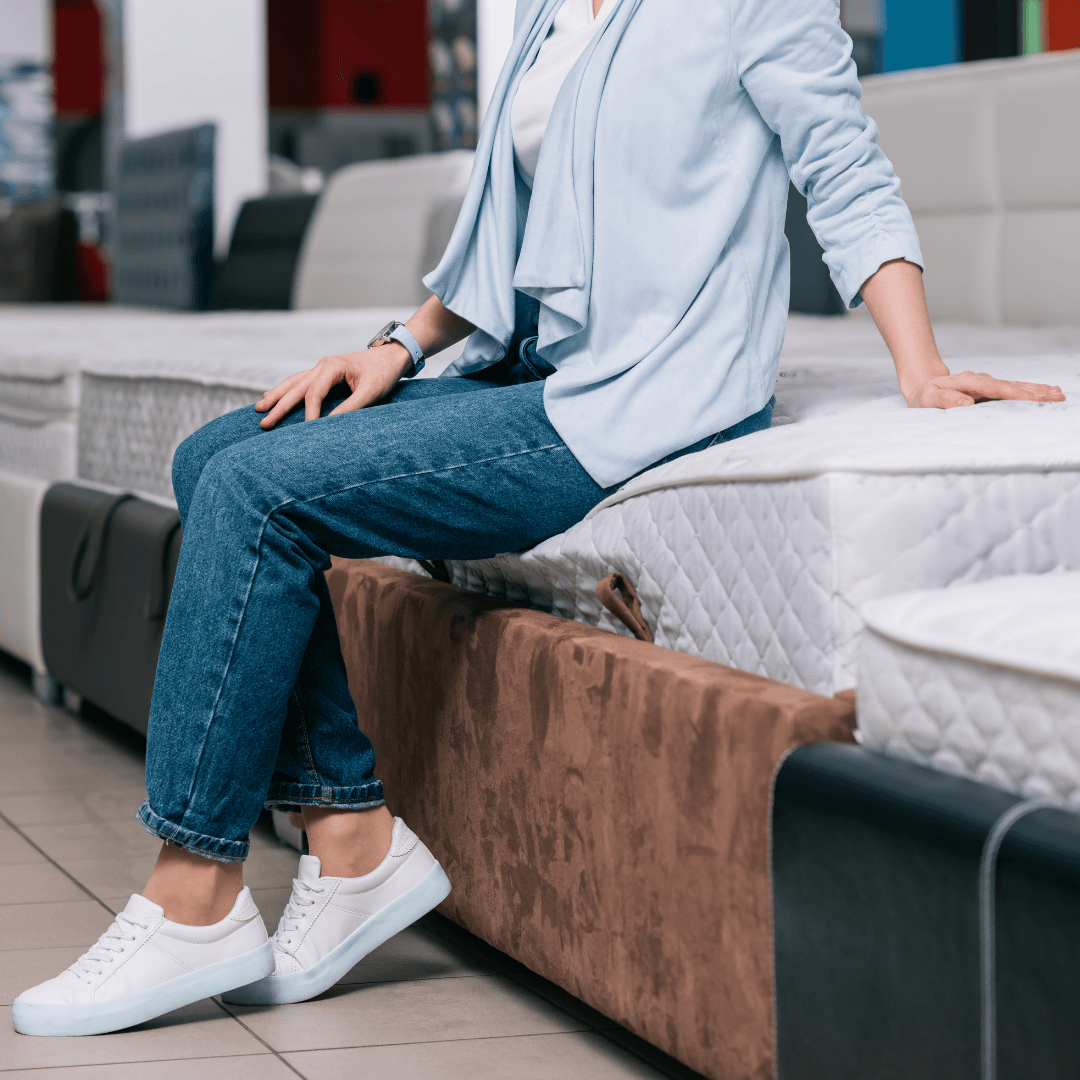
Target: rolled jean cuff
291,796
210,847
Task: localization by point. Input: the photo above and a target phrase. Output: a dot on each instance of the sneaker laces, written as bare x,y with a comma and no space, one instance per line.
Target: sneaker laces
295,910
92,962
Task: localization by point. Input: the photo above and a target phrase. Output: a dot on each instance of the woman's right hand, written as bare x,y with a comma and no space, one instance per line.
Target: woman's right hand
370,373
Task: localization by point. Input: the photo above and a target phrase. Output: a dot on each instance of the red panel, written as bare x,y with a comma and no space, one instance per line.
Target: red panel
347,53
79,63
292,53
1062,25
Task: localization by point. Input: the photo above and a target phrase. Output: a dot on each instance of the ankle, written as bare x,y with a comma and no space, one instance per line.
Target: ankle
193,890
348,843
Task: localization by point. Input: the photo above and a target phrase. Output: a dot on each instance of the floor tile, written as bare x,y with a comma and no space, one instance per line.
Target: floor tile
574,1056
14,850
22,968
43,808
93,840
432,1010
39,883
120,876
412,954
52,926
40,773
262,1067
201,1030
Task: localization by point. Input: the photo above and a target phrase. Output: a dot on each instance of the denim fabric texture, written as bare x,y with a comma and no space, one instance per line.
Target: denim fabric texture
251,703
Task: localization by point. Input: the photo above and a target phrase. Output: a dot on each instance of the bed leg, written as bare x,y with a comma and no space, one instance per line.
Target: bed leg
46,689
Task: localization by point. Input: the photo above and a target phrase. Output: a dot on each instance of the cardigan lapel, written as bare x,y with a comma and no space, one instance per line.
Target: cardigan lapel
555,263
475,277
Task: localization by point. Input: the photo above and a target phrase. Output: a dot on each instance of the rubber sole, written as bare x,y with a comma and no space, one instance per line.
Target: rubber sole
395,917
138,1008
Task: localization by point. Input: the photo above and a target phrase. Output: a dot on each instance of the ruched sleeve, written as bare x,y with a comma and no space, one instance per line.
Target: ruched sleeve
794,61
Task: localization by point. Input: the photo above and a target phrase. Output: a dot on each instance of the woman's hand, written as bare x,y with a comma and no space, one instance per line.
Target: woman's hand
371,374
969,387
895,297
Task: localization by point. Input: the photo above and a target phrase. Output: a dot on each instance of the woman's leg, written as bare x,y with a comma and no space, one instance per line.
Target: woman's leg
198,891
459,475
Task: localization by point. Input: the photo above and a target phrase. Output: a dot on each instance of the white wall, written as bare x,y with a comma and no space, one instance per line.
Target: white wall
494,35
26,29
200,61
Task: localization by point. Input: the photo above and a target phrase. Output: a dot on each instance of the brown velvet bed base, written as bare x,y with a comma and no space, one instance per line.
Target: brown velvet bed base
600,804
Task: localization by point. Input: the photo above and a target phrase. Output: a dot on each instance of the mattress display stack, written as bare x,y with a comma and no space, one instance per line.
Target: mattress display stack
759,553
40,354
141,399
20,624
980,680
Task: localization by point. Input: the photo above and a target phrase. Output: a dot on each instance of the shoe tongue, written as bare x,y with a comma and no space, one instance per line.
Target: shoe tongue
310,869
139,908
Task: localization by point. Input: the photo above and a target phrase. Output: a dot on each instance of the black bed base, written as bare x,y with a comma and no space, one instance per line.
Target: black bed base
926,925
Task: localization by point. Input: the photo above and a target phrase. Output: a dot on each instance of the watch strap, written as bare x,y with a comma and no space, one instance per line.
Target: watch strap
403,336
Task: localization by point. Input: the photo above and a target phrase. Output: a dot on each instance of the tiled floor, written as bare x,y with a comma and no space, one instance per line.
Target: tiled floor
431,1003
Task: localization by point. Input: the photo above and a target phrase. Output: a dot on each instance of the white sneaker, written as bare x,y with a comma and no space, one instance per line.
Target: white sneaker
330,924
144,966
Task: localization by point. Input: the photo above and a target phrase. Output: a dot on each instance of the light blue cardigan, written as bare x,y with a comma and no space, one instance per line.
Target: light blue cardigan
654,236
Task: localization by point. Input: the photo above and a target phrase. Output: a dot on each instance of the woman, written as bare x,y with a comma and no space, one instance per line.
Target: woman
620,265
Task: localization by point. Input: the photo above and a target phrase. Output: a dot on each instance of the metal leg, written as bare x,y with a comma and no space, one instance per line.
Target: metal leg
46,689
71,700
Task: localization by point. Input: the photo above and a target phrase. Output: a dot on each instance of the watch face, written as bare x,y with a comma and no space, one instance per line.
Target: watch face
382,336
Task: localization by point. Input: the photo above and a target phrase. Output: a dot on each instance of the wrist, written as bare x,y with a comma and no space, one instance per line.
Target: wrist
913,375
397,353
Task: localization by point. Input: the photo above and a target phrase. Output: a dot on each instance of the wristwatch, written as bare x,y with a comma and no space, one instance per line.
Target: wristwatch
396,331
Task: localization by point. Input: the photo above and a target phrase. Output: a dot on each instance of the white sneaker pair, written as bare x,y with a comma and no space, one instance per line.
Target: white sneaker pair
144,965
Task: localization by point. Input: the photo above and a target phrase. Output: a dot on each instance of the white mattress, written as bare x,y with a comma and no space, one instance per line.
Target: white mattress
20,604
145,395
41,347
981,680
759,553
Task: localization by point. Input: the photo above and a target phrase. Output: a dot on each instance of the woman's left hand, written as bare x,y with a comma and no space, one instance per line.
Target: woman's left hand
969,387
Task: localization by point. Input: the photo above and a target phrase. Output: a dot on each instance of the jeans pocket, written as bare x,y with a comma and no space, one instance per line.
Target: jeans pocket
536,369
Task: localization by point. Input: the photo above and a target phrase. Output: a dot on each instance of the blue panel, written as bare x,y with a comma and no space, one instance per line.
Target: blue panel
920,33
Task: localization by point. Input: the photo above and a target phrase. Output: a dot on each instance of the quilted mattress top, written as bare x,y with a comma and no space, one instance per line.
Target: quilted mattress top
883,436
1027,622
243,350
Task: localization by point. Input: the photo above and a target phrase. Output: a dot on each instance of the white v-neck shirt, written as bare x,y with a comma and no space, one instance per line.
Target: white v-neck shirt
571,32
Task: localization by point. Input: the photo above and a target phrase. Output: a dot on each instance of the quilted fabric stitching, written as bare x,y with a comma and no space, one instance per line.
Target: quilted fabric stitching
1017,731
769,576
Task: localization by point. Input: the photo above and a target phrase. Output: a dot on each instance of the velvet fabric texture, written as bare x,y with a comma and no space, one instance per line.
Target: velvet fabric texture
600,804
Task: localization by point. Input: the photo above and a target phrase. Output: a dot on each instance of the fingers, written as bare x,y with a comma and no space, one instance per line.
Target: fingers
317,389
360,398
284,405
954,399
271,397
310,387
985,387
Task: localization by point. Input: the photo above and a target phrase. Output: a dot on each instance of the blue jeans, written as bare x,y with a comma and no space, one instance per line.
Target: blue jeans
251,703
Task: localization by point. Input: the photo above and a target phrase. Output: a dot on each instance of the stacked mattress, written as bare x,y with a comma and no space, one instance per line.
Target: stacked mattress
20,623
759,553
981,680
40,353
141,397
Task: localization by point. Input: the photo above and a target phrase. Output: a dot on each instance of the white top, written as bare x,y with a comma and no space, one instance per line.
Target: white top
572,30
